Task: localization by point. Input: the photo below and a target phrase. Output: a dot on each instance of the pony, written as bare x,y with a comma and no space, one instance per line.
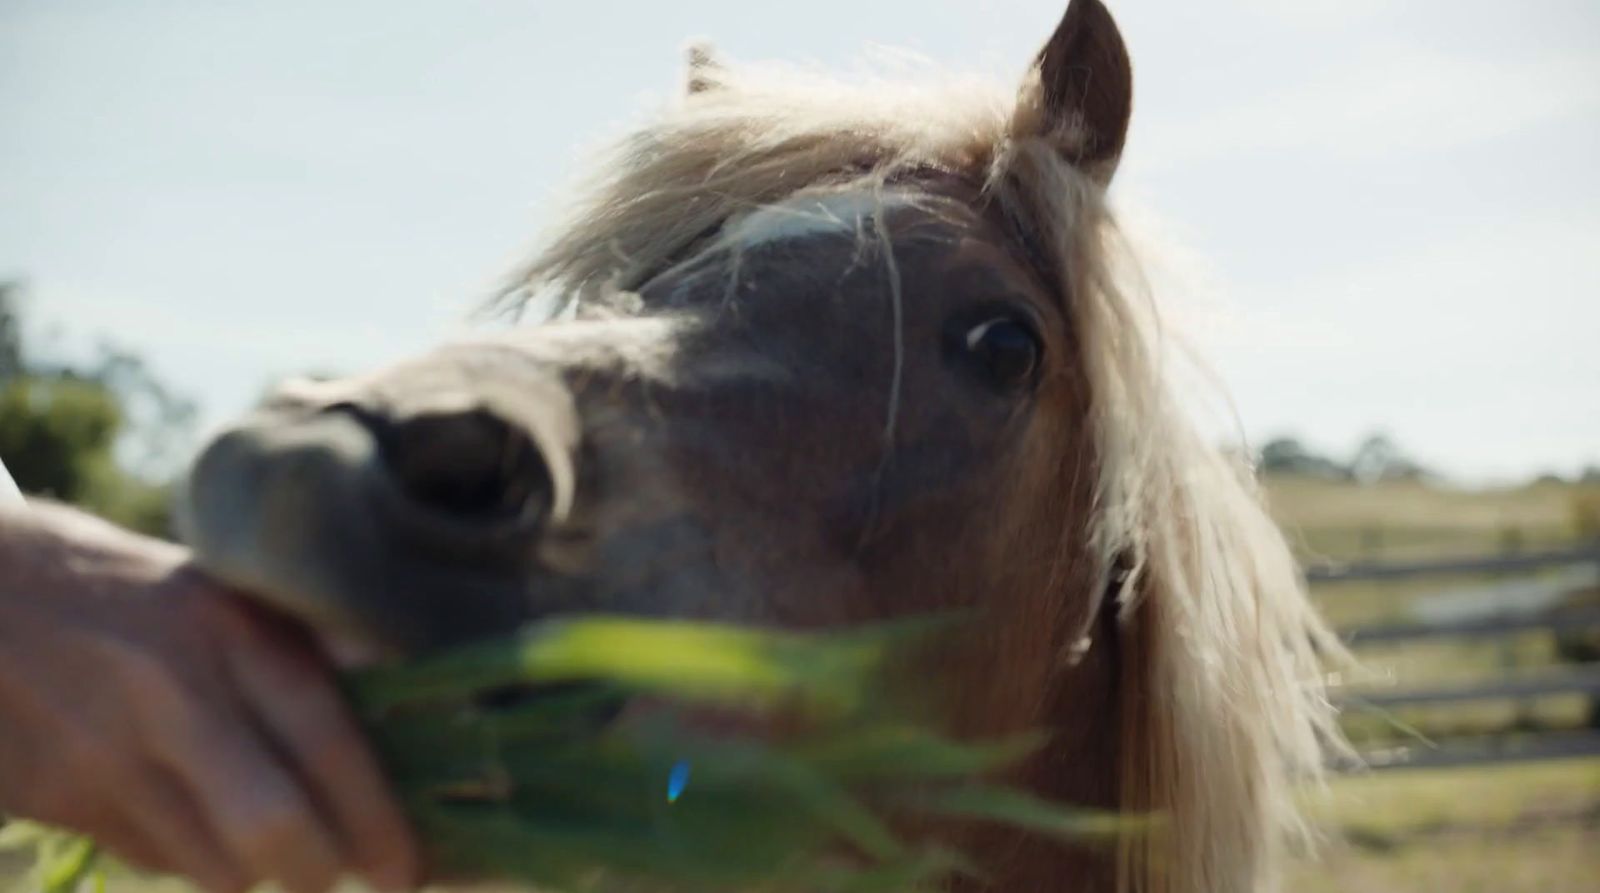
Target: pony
815,353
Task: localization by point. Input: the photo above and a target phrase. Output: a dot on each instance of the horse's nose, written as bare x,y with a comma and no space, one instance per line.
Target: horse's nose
410,524
468,467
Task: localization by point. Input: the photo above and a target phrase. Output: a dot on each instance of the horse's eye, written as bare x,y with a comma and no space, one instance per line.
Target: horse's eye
1004,350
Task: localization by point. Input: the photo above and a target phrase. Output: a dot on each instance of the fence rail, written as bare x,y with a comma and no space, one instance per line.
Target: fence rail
1513,607
1483,750
1472,627
1585,681
1505,563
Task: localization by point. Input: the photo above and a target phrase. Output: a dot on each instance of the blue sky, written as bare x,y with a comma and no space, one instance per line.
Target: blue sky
1387,213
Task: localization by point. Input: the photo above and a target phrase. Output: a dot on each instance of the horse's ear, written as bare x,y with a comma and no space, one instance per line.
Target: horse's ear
705,72
1086,87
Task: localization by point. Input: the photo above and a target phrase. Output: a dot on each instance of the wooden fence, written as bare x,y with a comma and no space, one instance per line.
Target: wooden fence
1519,603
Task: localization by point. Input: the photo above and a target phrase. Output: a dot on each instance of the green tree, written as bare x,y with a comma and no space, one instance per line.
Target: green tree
1379,458
55,433
1287,455
10,333
61,426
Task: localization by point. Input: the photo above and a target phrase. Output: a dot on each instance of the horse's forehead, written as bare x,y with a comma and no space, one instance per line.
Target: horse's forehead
843,212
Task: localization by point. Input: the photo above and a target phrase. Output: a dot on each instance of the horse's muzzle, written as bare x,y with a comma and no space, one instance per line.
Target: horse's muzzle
409,528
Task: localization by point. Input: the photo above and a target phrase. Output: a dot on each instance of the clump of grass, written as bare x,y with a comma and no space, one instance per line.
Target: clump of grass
552,791
62,862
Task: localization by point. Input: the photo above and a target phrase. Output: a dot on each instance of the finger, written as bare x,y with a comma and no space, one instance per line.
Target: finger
161,830
244,793
286,685
131,847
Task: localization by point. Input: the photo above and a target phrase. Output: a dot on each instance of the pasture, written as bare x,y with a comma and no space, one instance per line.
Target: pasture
1510,827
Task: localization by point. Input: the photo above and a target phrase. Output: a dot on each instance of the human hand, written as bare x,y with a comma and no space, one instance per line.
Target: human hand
184,729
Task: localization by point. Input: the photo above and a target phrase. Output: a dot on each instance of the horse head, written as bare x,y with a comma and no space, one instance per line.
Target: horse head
812,354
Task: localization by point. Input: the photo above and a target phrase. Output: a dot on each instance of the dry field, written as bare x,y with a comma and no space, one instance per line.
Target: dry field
1507,829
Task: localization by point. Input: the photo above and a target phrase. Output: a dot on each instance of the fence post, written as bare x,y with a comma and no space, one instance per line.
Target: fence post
1511,540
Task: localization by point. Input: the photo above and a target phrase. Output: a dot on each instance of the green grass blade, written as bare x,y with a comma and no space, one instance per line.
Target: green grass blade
689,660
65,863
1022,810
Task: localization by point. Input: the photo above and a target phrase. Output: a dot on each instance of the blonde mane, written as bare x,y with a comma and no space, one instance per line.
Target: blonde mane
1223,701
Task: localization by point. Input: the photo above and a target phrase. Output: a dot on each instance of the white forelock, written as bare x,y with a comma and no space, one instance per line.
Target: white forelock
813,214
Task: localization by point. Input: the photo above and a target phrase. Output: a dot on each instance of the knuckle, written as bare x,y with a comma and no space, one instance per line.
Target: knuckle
229,619
87,759
334,761
325,739
220,615
81,806
155,710
219,879
307,713
141,675
52,803
269,831
169,716
344,767
318,880
172,728
321,732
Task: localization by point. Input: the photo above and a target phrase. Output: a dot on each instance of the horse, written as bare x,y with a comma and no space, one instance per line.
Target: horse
807,353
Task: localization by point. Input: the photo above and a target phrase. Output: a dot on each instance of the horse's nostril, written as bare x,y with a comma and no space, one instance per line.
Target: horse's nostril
470,465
